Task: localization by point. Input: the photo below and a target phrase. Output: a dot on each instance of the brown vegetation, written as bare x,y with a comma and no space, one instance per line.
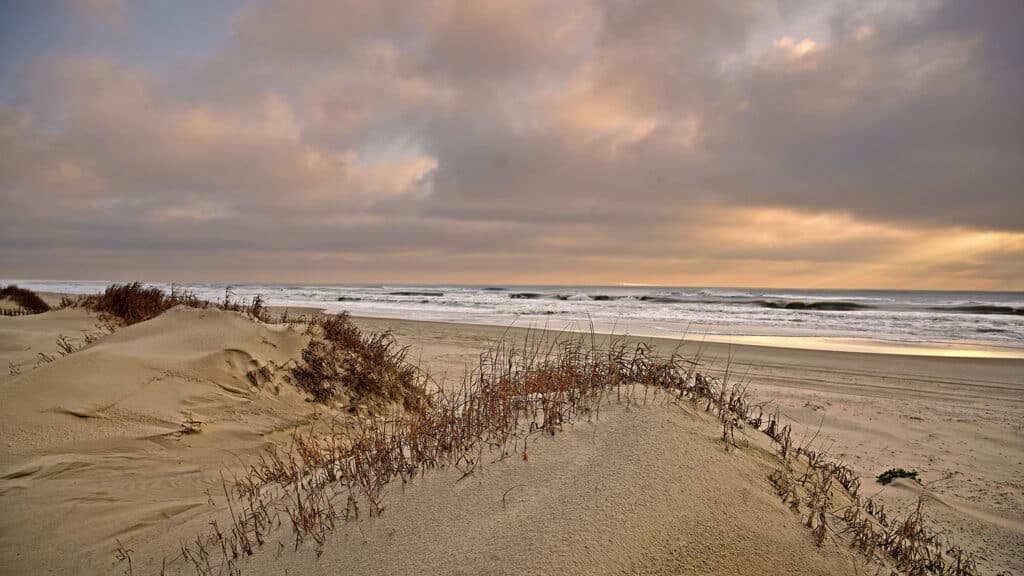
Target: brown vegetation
132,303
25,298
364,366
824,488
256,309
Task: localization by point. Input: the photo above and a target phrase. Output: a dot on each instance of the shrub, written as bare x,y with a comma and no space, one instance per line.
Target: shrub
341,359
339,329
25,298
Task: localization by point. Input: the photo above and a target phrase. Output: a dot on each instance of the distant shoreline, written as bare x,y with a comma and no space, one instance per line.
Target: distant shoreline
809,343
670,329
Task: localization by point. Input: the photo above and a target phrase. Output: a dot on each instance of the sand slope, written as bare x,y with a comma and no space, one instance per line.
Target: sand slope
90,446
22,338
643,490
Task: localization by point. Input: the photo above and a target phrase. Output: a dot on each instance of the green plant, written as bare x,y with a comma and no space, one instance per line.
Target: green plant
894,473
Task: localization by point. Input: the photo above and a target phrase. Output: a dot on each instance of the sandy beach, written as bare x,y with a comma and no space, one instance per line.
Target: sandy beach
124,444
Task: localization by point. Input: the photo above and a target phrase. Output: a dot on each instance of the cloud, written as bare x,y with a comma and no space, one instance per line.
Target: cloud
866,143
796,50
108,12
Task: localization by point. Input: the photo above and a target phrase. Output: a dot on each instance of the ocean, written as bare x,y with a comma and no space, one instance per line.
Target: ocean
894,321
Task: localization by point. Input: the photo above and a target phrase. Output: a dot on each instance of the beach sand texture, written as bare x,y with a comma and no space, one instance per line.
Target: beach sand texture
91,446
94,450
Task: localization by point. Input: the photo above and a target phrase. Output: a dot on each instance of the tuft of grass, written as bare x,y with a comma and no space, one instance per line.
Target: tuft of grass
25,298
256,309
69,301
341,359
133,303
893,473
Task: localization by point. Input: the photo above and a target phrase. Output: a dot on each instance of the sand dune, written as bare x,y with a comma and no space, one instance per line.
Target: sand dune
92,446
95,451
644,490
957,420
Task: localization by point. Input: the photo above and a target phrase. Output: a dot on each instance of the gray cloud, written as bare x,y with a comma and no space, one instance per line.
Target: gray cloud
520,139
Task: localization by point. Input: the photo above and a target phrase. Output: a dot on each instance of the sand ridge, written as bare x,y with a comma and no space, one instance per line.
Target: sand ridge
641,490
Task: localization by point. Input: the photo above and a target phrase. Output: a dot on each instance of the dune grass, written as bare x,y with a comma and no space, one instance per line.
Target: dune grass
132,303
25,298
827,491
342,360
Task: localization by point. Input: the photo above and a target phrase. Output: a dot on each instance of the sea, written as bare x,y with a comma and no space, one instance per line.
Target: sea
936,323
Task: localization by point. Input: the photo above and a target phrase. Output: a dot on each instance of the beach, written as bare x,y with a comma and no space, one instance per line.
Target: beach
129,442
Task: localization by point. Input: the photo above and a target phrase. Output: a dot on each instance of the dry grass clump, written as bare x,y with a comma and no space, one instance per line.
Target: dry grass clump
341,360
132,303
809,481
256,309
907,542
25,298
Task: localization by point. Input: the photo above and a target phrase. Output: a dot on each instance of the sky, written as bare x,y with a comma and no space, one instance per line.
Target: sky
787,143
